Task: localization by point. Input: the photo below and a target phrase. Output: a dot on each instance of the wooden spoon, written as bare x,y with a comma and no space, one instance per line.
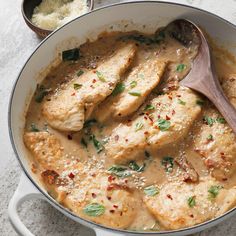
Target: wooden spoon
202,77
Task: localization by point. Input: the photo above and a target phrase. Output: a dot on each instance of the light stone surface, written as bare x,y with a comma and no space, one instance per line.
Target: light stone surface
16,44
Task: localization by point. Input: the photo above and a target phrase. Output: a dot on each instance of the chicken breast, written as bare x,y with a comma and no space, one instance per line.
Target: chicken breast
181,205
130,94
65,109
166,119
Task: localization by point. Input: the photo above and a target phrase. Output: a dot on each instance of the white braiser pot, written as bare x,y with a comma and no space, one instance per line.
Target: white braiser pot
135,14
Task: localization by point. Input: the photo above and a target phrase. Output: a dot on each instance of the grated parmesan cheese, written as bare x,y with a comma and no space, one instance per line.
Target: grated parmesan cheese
51,14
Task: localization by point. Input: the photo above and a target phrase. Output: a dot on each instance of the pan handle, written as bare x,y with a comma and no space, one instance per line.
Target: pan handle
102,232
24,192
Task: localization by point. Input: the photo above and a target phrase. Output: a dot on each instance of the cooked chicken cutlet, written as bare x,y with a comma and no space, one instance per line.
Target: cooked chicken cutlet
181,205
130,94
65,109
166,119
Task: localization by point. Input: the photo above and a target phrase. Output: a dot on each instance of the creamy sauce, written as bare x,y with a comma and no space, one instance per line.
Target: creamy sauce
155,173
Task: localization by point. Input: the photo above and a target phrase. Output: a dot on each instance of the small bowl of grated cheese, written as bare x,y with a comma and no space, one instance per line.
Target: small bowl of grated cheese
44,16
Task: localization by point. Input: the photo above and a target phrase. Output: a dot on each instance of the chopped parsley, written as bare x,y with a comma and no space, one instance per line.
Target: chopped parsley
41,93
77,86
163,124
94,209
192,201
120,87
180,67
97,144
71,55
210,121
220,120
214,191
33,128
137,94
100,76
168,163
181,102
138,126
79,73
134,166
200,102
151,190
133,84
119,171
149,107
210,137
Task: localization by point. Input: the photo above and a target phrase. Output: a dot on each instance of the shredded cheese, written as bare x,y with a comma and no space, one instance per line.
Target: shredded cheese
51,14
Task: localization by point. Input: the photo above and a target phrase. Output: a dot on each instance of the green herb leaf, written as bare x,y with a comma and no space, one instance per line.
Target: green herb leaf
97,144
41,93
168,163
210,121
181,102
100,76
120,87
137,94
83,142
180,67
94,209
33,128
79,73
200,102
151,190
77,86
149,107
163,124
210,137
119,171
133,84
192,201
220,120
214,191
134,166
71,55
138,126
89,123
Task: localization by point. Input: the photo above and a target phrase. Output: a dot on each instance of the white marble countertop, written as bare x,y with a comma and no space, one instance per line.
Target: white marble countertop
16,44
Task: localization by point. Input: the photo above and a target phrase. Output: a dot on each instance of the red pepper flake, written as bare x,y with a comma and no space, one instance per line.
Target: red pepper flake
167,117
112,211
126,140
224,179
73,94
173,112
178,95
91,86
191,216
150,118
170,97
71,175
156,127
69,136
158,116
145,118
116,137
94,195
111,178
110,187
94,81
169,196
121,213
210,163
115,206
222,153
126,181
109,198
93,175
146,133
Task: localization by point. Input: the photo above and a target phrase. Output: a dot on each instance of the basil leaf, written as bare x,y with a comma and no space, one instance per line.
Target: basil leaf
200,102
163,124
151,190
137,94
133,84
33,128
181,102
192,201
210,121
100,76
79,73
220,120
214,191
41,93
94,209
98,145
180,67
71,55
89,123
120,87
119,171
168,163
134,166
149,107
138,126
77,86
